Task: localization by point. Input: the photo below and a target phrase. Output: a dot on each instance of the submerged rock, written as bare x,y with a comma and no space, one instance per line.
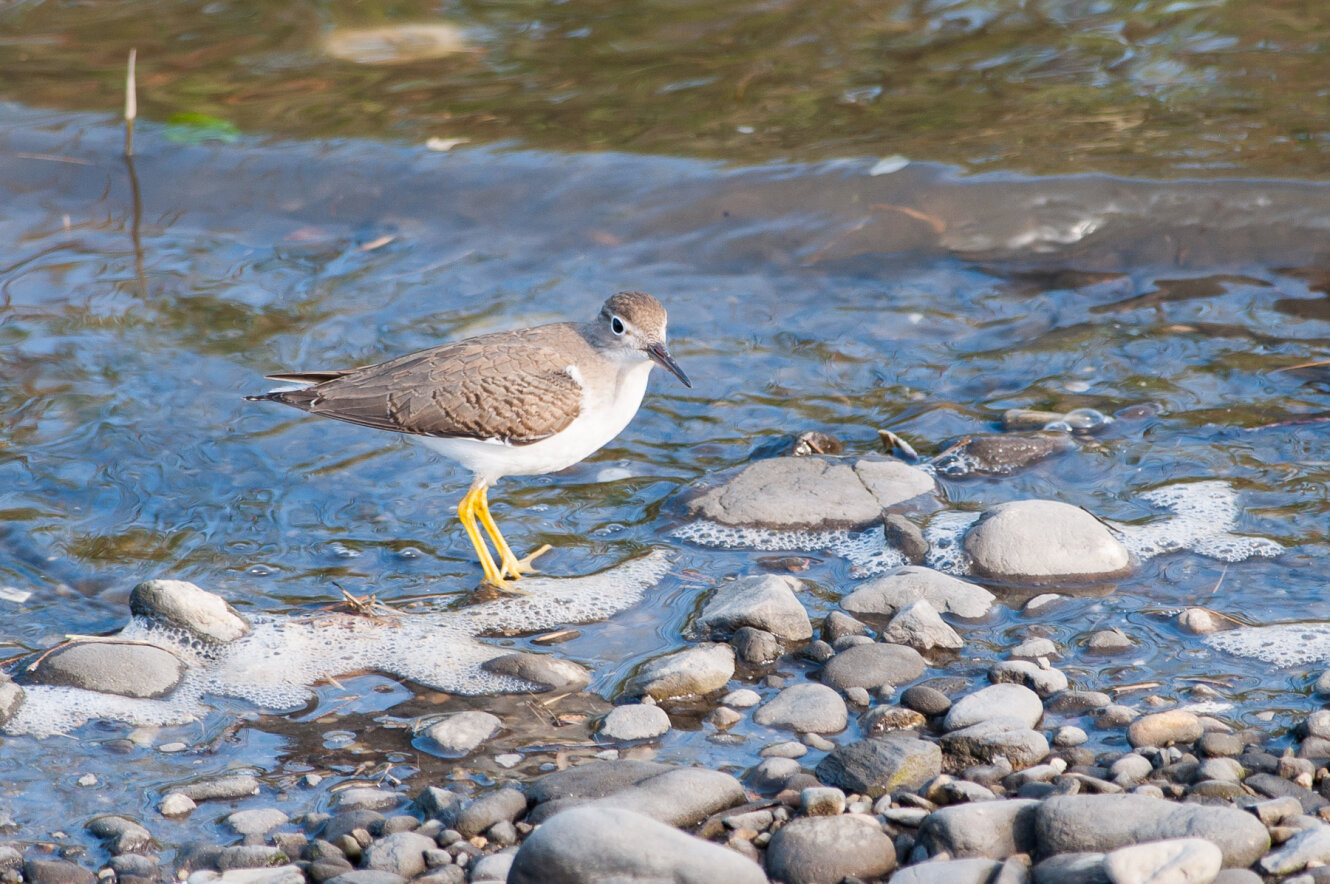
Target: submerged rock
180,604
1039,541
893,592
590,844
811,493
123,668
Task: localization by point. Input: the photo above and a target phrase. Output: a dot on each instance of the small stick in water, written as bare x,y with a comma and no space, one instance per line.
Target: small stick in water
131,104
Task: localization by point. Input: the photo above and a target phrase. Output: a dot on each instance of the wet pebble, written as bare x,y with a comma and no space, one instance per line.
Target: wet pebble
500,805
1044,540
1199,621
805,707
878,765
787,749
890,593
744,698
926,700
588,844
1109,641
1044,681
1164,728
873,665
811,850
1073,702
223,788
766,602
546,670
1034,648
904,536
637,721
176,804
458,734
259,821
921,627
129,670
756,646
121,834
182,605
697,670
999,701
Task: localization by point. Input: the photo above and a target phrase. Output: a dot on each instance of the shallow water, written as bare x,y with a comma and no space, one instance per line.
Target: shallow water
802,296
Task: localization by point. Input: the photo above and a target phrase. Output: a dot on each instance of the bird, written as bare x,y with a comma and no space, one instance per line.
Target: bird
512,403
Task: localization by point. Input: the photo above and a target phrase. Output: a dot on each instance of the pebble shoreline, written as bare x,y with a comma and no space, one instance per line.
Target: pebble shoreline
947,779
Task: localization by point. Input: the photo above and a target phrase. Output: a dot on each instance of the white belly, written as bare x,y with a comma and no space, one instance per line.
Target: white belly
601,419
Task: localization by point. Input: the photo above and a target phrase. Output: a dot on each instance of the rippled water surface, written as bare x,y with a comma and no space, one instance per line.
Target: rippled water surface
138,304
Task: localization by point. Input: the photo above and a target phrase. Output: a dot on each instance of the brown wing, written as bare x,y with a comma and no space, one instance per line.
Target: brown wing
508,386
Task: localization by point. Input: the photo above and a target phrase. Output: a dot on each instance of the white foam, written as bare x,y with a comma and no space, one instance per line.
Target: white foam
1204,514
867,550
945,533
277,663
1280,644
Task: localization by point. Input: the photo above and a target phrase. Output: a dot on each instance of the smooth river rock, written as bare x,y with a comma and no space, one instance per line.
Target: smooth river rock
813,850
1010,701
636,721
183,605
993,829
994,739
892,592
921,627
1176,861
767,602
878,765
11,698
459,734
1040,541
587,845
549,672
130,670
697,670
872,665
1165,728
811,493
1100,823
807,708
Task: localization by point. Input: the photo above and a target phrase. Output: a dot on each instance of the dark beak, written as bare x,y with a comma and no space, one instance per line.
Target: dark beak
661,356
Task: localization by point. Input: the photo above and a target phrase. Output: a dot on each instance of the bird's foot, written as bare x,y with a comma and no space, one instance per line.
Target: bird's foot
517,568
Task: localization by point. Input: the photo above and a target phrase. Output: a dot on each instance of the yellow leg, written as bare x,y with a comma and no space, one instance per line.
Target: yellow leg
512,565
466,513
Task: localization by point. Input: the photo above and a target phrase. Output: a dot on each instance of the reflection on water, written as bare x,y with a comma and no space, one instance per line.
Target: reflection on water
1152,87
801,297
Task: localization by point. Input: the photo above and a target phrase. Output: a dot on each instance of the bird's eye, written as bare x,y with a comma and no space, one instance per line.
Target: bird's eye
616,325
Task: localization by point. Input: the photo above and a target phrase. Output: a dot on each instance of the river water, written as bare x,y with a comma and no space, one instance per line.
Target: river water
820,276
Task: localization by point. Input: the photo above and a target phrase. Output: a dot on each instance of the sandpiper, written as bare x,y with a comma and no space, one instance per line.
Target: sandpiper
514,403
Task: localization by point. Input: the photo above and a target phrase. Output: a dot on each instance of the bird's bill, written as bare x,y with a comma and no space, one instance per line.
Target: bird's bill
661,356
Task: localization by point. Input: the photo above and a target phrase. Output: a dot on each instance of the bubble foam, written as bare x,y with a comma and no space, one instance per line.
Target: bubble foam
1204,514
1280,644
274,666
867,550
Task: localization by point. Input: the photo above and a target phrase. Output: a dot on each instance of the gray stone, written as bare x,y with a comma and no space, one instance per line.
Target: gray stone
250,856
176,804
883,764
1072,868
697,670
1308,847
1109,641
821,801
771,774
767,602
494,867
259,821
1175,861
56,871
366,876
183,605
992,829
585,845
682,796
458,734
500,805
810,493
1074,702
787,749
926,700
1224,769
890,593
1000,701
367,798
805,707
437,804
841,625
921,627
11,698
635,722
544,670
744,698
402,853
1072,823
122,834
594,779
223,788
1040,541
1199,621
1165,728
1070,735
904,536
756,646
283,874
873,665
1044,682
1130,769
885,719
129,670
813,850
1323,683
1034,648
987,741
974,870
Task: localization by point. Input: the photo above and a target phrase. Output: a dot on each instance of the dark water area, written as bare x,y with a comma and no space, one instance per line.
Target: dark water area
1062,239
